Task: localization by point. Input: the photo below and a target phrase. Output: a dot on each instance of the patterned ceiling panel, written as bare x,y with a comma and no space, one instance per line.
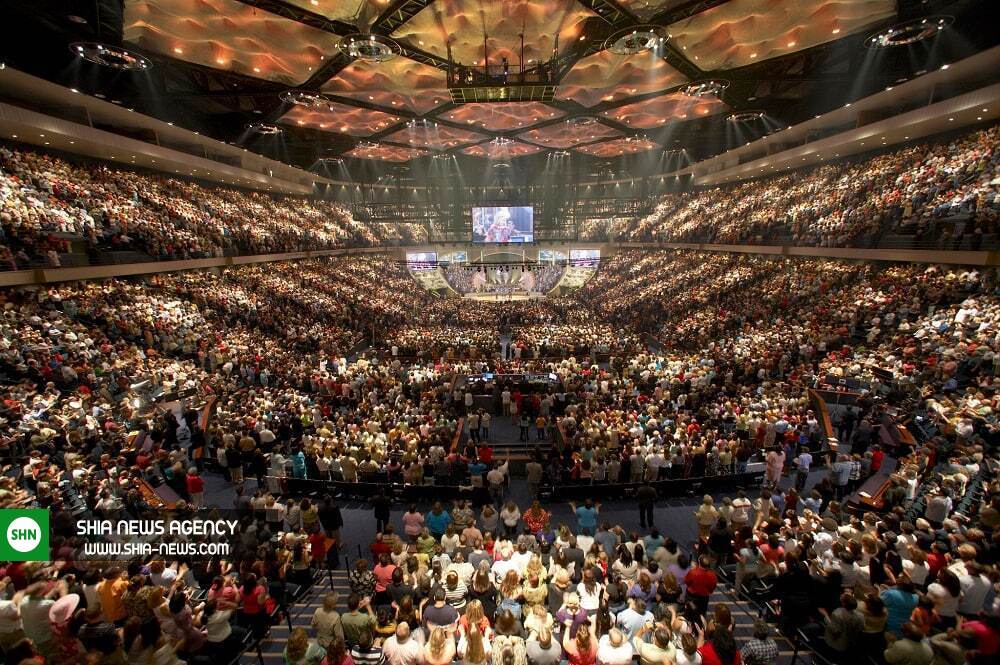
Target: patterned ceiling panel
607,76
618,147
502,117
385,153
335,10
228,35
464,23
568,134
397,83
658,111
510,150
340,118
646,9
741,32
437,137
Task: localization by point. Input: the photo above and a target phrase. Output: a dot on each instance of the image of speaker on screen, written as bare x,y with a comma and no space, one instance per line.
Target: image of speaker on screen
503,224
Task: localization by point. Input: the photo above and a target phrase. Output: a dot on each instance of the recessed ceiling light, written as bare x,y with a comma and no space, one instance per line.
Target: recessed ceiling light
178,49
836,31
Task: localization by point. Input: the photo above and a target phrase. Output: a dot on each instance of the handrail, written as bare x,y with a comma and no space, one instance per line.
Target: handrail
54,275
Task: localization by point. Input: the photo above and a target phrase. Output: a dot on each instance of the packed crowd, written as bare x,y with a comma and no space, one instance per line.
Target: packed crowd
944,192
736,341
47,203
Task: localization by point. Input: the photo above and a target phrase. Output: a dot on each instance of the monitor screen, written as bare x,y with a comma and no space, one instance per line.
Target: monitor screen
503,224
584,258
421,260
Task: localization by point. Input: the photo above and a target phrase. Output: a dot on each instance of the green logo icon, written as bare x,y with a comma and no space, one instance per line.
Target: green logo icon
24,535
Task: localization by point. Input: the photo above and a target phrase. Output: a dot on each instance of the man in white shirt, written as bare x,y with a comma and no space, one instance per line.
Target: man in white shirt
741,510
802,464
402,648
975,588
614,649
496,479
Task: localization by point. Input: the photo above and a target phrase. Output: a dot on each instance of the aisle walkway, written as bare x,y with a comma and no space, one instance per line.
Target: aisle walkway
300,613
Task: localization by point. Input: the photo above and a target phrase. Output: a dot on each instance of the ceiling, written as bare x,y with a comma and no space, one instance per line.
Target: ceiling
220,65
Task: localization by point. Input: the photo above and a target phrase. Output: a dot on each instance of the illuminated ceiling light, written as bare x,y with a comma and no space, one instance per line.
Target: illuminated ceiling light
909,32
303,98
753,55
371,48
178,50
107,55
791,44
706,88
264,128
836,31
634,40
745,116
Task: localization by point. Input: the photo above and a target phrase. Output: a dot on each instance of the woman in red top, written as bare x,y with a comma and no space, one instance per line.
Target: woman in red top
583,649
536,517
252,612
720,649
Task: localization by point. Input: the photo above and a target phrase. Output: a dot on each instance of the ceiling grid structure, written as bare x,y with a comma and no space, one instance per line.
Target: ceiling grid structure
228,63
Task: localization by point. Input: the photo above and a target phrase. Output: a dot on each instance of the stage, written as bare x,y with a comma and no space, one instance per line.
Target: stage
506,297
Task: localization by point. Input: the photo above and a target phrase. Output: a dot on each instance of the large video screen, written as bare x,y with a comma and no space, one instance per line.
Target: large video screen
503,224
584,258
421,260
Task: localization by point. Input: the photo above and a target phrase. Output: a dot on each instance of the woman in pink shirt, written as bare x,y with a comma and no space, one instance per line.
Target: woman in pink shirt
383,578
413,522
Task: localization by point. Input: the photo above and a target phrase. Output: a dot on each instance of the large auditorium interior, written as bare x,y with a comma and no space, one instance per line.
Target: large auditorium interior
500,332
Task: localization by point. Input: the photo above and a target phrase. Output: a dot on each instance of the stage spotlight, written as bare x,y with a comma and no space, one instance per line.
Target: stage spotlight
111,56
264,128
373,48
705,88
635,40
745,116
302,98
909,32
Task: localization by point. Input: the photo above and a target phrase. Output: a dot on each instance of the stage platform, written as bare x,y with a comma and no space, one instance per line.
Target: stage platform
506,297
